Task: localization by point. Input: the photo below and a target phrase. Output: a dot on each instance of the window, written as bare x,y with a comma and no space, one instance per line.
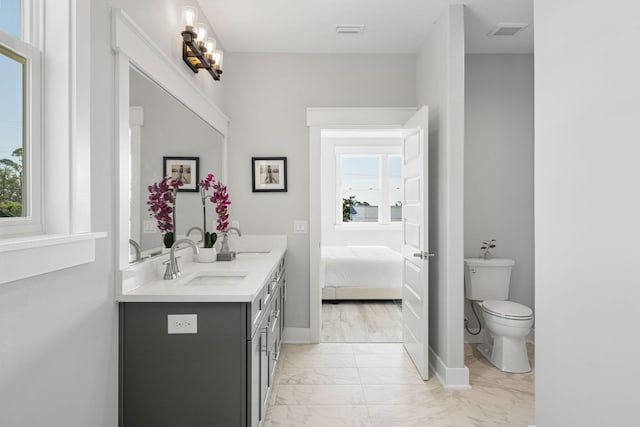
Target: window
11,17
20,207
56,180
369,185
360,188
12,70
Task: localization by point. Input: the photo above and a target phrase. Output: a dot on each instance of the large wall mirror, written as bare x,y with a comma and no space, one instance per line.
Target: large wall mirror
161,126
160,113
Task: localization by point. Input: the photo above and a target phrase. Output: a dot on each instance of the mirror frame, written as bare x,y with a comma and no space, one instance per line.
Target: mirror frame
132,47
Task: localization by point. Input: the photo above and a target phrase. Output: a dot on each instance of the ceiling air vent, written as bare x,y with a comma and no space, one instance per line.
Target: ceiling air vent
508,29
349,29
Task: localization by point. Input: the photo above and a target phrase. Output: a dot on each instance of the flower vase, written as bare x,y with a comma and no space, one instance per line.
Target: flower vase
225,242
168,239
207,255
487,255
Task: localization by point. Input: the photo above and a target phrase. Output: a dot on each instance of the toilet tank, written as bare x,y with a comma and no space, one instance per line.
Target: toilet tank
487,279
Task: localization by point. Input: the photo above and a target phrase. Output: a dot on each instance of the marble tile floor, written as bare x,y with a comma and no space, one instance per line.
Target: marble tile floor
362,321
376,385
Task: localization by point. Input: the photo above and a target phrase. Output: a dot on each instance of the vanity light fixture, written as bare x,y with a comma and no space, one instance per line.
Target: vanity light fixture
197,50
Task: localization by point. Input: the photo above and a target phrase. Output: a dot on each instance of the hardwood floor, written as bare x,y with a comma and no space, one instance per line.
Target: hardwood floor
362,321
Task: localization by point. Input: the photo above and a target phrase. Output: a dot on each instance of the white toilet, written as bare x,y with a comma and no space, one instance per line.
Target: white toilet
506,323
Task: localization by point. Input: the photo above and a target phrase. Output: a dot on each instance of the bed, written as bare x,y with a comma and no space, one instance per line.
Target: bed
360,273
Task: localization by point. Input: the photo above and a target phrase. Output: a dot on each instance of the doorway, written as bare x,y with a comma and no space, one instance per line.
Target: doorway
361,234
415,254
334,119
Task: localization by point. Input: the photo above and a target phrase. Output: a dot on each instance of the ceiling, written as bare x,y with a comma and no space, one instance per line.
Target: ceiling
391,26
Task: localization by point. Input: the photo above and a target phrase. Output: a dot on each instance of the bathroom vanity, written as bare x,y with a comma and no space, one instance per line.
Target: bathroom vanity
202,350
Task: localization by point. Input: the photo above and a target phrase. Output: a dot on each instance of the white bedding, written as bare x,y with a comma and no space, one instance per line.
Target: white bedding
361,267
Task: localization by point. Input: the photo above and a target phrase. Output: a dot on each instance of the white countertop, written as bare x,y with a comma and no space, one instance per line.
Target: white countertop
143,282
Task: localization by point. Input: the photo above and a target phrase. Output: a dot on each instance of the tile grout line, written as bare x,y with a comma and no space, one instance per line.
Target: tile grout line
364,398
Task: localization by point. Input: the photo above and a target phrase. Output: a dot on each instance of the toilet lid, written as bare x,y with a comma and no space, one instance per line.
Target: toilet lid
507,309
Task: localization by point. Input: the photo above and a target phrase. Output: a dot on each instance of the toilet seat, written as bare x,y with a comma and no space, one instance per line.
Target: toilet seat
507,310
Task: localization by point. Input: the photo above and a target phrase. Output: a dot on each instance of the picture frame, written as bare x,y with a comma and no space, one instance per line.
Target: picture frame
186,168
269,174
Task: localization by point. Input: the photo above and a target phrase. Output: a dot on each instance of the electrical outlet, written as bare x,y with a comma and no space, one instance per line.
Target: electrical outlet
182,323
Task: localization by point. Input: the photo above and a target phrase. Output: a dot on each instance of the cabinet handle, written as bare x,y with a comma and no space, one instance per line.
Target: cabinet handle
276,356
265,331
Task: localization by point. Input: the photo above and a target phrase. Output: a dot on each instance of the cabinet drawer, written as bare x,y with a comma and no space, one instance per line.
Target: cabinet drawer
257,312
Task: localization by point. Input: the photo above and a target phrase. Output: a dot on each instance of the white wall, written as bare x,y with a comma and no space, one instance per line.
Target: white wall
58,332
266,98
440,85
587,211
498,169
171,129
385,235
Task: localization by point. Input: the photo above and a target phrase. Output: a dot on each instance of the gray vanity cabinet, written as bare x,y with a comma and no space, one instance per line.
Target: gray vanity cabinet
220,376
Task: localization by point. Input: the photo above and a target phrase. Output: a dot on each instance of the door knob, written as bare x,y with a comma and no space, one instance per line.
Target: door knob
423,255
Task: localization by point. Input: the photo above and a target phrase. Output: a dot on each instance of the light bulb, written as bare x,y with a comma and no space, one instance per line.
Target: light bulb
218,58
210,45
189,15
202,32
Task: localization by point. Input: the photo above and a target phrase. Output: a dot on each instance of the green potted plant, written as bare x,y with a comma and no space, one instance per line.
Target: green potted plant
486,245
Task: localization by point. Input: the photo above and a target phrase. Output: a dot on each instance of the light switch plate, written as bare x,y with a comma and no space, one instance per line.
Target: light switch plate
149,226
300,227
182,323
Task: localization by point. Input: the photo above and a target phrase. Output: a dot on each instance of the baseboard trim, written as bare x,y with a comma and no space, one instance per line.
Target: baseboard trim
297,335
448,377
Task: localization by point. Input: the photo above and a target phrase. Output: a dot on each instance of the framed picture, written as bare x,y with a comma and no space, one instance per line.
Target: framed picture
184,168
269,174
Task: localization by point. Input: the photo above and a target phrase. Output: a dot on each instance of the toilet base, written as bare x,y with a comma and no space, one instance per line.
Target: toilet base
507,354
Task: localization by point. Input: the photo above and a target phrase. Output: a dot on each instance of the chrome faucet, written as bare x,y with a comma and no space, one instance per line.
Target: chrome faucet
173,271
237,230
137,248
225,240
194,228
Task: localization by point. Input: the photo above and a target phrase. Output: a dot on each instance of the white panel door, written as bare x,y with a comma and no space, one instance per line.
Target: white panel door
415,251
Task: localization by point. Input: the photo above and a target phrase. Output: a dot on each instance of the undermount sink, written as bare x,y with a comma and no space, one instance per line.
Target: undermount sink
216,279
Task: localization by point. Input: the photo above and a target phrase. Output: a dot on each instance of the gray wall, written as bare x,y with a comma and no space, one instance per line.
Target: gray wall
498,164
267,97
440,85
171,129
587,213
